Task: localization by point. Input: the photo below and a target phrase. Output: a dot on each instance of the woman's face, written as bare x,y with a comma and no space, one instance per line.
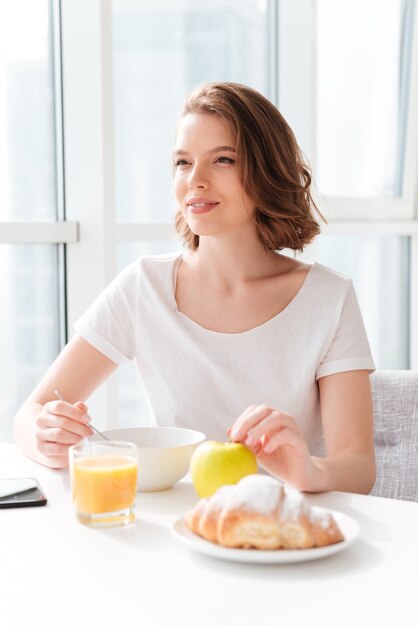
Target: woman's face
207,181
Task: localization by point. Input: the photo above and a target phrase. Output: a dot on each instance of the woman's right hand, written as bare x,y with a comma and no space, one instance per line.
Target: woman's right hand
58,426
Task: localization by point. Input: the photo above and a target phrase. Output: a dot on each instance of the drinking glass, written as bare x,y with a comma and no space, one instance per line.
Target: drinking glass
103,481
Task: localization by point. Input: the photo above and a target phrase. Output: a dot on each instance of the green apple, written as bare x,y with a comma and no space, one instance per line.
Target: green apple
215,463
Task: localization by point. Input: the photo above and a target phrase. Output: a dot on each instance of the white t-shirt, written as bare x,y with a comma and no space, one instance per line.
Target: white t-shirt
202,379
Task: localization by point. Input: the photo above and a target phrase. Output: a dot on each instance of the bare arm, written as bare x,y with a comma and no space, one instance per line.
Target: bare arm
44,427
347,420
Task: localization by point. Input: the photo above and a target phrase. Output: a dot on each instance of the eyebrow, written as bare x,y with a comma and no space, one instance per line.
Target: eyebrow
217,149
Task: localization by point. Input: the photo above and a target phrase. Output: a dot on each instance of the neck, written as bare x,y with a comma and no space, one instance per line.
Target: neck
233,260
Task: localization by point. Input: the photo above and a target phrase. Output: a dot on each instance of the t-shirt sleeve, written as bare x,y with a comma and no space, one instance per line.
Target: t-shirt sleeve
349,348
108,324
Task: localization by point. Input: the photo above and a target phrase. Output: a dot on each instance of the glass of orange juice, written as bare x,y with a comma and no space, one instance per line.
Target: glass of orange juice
103,481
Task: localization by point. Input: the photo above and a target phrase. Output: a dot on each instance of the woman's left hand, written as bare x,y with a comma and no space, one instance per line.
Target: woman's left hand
278,444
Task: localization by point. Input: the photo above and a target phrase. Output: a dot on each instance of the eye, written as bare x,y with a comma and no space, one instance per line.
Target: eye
225,160
180,163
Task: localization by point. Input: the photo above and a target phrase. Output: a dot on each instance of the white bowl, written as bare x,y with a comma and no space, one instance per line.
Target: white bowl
164,453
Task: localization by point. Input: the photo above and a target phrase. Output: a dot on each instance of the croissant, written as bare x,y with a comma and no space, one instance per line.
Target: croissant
261,512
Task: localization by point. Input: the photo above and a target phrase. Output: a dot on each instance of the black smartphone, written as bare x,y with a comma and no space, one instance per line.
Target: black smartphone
20,492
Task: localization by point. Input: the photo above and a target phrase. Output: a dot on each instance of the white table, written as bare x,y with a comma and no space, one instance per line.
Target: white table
54,570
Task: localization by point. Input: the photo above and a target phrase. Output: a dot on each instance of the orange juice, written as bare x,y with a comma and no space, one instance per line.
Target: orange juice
102,484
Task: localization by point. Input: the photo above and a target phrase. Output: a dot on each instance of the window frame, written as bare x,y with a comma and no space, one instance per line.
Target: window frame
297,72
60,231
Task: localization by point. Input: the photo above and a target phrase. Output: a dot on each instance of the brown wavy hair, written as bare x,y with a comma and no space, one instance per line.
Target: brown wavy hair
273,170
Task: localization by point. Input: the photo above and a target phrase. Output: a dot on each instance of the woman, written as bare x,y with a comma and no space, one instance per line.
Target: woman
229,336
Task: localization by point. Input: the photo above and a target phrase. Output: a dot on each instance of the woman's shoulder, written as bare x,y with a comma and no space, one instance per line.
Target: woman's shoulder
317,275
326,284
151,265
157,260
330,276
153,270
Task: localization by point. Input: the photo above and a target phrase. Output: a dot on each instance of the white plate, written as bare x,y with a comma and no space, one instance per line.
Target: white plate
348,526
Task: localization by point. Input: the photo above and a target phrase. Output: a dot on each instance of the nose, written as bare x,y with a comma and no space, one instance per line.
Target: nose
198,177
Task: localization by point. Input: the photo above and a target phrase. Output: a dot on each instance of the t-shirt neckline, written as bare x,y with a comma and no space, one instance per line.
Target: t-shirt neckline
281,314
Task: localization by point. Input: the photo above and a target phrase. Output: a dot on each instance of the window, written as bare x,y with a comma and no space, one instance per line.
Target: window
379,268
27,126
32,318
363,157
362,97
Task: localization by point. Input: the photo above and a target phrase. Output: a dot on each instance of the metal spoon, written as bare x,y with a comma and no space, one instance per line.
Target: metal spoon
59,396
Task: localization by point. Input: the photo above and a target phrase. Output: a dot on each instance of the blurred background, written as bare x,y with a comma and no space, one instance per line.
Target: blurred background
90,92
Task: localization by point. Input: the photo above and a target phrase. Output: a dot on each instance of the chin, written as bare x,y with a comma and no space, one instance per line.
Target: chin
204,229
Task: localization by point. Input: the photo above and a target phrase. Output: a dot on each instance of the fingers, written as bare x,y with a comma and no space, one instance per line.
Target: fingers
255,448
59,435
269,426
66,424
257,420
54,449
60,425
247,419
261,427
286,436
77,412
244,423
278,443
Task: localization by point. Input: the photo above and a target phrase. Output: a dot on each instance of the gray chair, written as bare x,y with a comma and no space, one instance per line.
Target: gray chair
395,396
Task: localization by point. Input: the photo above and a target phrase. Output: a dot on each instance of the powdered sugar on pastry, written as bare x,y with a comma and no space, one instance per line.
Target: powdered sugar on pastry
219,499
320,517
293,504
257,493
